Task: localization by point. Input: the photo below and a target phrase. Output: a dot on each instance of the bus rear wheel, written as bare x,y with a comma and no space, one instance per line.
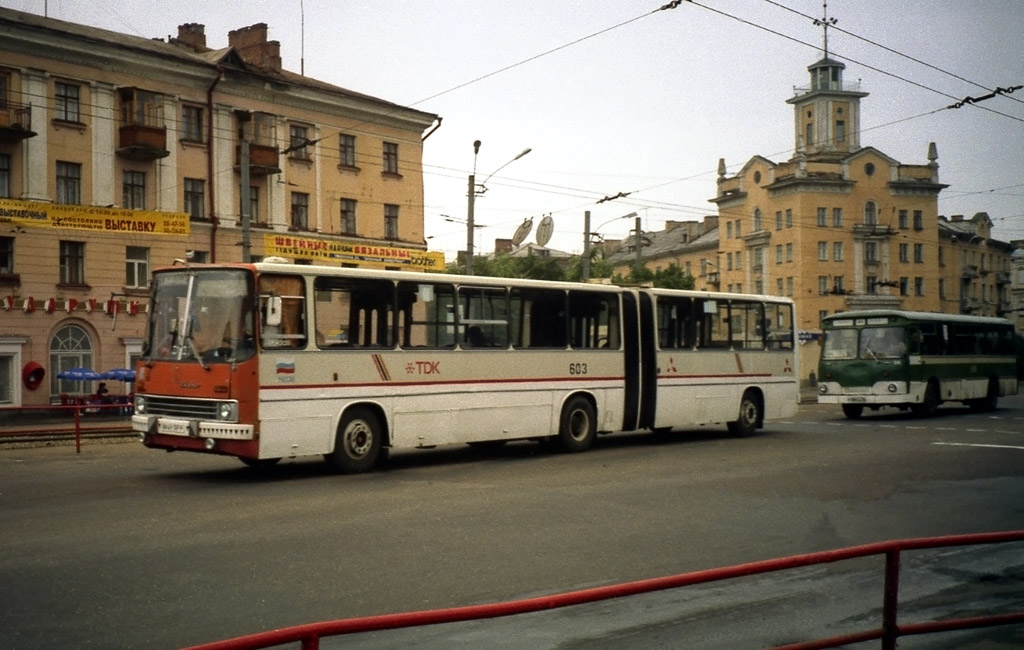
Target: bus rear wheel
358,443
577,426
750,415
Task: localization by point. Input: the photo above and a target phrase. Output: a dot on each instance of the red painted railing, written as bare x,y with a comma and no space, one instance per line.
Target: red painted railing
309,635
64,420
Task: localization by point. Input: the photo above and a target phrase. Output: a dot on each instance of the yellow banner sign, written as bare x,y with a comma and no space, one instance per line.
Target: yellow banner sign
323,250
31,214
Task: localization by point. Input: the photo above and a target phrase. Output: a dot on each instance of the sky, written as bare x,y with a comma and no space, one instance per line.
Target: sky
623,97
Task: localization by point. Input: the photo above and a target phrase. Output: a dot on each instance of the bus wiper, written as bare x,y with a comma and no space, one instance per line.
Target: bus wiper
867,348
192,347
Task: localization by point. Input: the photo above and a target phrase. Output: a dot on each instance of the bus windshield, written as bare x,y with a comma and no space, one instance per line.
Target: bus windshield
870,343
204,316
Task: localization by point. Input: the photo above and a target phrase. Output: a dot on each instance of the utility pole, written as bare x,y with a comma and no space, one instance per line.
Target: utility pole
586,246
470,207
243,192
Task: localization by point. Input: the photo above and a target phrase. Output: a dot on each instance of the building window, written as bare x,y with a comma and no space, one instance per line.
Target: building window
134,190
728,230
778,254
778,219
6,254
904,286
837,251
942,256
347,150
67,102
822,217
919,253
192,123
942,288
789,286
254,203
298,139
837,285
390,222
69,183
5,176
870,214
739,229
903,220
837,217
789,218
872,284
70,348
822,284
919,286
141,107
390,158
348,216
728,262
300,211
904,252
72,262
758,258
195,198
823,251
757,220
136,268
918,220
789,252
840,131
778,287
871,252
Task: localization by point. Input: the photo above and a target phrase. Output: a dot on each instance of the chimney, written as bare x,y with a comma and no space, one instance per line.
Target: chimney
192,35
956,218
252,45
503,245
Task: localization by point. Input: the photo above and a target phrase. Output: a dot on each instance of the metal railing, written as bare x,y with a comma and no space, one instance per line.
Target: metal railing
309,635
73,420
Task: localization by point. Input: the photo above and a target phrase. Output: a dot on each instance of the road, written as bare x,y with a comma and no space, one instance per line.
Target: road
124,547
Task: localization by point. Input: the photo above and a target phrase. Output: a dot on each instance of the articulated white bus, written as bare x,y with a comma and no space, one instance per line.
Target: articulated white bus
268,361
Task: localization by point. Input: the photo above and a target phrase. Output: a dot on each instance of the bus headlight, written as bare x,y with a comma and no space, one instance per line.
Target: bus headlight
227,411
893,388
822,388
140,404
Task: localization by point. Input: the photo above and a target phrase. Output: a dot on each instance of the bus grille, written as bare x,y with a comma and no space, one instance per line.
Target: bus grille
178,407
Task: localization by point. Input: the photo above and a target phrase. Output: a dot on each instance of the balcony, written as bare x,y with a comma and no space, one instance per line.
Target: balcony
142,142
263,160
969,272
1002,277
15,122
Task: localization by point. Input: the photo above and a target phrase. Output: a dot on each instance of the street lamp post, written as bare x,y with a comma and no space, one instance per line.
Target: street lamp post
472,193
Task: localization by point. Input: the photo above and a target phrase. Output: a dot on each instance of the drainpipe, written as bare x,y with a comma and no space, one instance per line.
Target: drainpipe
214,221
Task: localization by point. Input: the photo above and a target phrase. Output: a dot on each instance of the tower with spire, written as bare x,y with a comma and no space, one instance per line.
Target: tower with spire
827,112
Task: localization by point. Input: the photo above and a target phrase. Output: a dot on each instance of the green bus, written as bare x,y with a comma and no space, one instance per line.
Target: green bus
915,360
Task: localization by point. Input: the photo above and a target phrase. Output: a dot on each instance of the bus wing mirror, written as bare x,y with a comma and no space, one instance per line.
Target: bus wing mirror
273,311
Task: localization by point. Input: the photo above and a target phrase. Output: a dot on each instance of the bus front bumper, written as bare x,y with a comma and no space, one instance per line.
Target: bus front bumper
885,392
153,424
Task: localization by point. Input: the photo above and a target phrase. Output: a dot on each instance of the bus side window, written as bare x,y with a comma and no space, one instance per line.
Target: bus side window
291,333
539,318
426,314
676,325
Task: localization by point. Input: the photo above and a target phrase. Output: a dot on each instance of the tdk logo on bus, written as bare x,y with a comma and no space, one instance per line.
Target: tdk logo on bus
423,368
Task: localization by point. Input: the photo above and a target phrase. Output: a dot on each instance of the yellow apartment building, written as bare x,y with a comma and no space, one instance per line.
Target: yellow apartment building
838,227
119,154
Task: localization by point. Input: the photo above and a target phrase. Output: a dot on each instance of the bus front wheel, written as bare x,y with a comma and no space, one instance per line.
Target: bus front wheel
930,405
853,411
578,425
750,415
358,443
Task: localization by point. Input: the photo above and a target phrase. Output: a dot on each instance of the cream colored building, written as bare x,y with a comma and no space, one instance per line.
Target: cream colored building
840,226
119,154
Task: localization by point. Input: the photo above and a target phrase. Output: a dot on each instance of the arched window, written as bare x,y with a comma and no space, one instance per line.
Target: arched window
70,348
870,213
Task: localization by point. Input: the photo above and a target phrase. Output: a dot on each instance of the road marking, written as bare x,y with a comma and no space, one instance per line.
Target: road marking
971,444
